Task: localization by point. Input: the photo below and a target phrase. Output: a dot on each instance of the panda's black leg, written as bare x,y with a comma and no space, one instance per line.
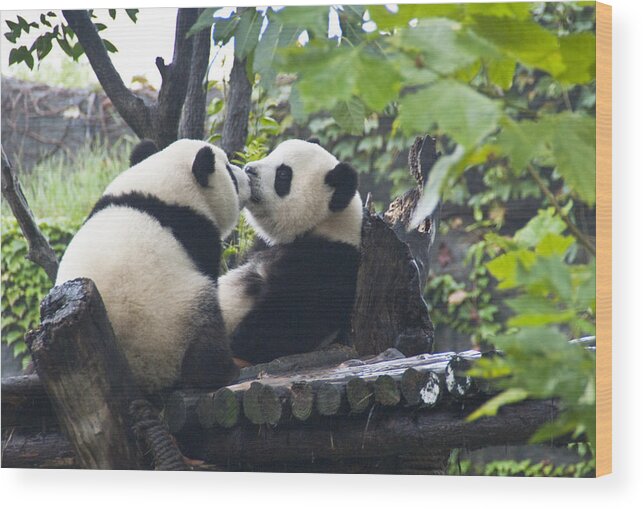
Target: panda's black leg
207,361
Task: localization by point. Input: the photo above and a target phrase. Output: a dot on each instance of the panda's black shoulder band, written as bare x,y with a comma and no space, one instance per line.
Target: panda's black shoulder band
198,235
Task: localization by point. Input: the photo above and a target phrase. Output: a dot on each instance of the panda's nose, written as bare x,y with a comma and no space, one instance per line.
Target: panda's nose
250,170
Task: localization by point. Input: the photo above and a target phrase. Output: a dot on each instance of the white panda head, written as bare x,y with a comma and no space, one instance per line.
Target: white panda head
301,188
190,173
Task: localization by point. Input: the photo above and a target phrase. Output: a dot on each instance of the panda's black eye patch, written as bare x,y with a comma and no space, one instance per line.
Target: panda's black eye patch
283,178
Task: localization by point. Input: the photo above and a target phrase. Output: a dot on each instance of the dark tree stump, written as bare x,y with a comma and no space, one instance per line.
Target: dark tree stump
389,309
85,375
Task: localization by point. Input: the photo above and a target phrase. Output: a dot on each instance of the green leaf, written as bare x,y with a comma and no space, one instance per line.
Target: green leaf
522,142
387,20
378,81
349,115
464,114
320,89
573,143
501,72
132,14
546,222
438,41
579,56
507,267
533,310
77,50
108,46
64,45
525,40
266,50
246,34
312,19
553,244
224,28
112,13
205,20
491,407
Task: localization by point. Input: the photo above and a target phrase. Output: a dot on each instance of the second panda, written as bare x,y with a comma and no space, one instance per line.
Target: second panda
152,246
298,293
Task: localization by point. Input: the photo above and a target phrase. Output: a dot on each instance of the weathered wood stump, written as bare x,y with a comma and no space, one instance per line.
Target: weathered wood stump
389,309
90,386
85,376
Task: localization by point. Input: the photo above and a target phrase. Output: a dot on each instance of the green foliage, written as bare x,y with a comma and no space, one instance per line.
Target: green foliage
24,284
60,187
552,300
62,192
523,468
52,29
468,306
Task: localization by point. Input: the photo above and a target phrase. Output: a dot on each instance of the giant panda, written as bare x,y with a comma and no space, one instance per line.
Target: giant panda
152,246
298,293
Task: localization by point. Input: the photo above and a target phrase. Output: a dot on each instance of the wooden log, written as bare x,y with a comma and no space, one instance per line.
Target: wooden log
24,397
421,388
402,434
25,403
86,376
386,391
388,434
226,408
329,399
252,405
330,356
38,450
431,392
180,411
458,383
359,395
271,405
302,400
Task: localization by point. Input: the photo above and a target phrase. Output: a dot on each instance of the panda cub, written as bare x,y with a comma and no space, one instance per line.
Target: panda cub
298,293
152,246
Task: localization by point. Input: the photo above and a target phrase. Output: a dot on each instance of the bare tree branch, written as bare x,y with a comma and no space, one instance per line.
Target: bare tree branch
40,251
193,114
131,107
175,80
235,125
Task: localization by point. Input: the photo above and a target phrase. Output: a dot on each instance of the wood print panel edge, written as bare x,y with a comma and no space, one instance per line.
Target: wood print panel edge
603,239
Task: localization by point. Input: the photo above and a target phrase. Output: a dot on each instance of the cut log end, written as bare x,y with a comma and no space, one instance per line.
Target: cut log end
359,395
301,400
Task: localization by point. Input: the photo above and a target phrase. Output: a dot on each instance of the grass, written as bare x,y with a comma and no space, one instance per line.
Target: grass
61,187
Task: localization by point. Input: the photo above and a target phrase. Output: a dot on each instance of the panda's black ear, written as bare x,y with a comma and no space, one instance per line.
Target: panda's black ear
203,166
314,139
344,179
143,150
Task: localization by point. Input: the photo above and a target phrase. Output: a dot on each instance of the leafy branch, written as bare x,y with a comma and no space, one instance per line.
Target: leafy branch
563,215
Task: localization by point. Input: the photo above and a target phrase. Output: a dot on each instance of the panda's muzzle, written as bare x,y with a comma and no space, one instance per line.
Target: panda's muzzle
253,177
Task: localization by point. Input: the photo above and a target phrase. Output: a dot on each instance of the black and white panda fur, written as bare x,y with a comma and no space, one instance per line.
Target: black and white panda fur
298,293
152,246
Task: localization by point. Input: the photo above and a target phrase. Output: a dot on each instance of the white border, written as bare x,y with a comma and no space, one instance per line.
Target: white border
115,490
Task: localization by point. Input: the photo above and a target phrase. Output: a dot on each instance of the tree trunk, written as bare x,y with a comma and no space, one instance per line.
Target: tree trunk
85,375
235,125
193,114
